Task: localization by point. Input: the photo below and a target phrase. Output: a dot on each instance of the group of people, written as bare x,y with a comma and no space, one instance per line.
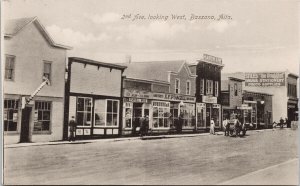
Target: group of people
282,122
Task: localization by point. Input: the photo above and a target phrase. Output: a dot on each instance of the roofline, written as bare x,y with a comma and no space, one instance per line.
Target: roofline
237,79
292,74
147,80
202,60
44,32
96,63
247,91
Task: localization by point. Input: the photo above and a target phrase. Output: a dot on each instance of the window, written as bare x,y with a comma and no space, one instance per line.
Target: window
292,90
47,70
10,114
42,116
216,88
209,87
188,87
202,86
161,113
189,118
128,115
235,90
177,86
105,113
84,111
112,116
9,67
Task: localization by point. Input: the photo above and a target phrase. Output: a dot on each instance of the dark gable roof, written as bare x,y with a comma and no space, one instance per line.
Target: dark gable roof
153,70
13,26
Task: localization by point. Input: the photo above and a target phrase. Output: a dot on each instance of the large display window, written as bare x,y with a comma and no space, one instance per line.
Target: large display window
161,112
201,115
189,118
106,113
84,111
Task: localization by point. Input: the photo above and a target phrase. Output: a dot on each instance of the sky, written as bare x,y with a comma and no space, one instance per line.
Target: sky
255,35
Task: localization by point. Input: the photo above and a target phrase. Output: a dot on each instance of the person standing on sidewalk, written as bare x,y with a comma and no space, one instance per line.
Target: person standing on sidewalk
212,126
180,123
226,127
72,125
281,122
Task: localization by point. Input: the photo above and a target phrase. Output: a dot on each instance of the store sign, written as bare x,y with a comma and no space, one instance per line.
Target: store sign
159,96
212,59
136,100
209,99
216,106
201,105
265,79
244,107
136,93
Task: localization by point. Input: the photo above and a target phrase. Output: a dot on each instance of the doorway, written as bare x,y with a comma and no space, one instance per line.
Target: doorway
26,114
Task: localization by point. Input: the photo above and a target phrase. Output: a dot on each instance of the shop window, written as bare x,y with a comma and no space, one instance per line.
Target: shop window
84,111
188,111
177,86
161,113
188,87
200,117
47,70
106,113
201,86
112,113
128,115
9,67
42,118
10,116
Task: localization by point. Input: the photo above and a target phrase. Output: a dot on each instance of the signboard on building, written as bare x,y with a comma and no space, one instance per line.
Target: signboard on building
209,99
159,96
244,107
265,79
212,59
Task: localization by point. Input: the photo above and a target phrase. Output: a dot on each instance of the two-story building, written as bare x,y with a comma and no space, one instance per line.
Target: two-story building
93,97
208,107
33,111
232,97
162,90
281,86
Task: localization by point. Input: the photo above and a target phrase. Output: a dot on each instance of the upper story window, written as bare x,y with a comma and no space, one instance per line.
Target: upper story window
47,70
177,86
202,86
188,87
235,90
9,67
292,90
209,87
216,88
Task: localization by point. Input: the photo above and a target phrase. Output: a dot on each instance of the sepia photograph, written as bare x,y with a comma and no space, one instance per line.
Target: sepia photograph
150,92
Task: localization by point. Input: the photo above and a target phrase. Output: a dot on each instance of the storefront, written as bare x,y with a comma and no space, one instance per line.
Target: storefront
93,97
211,109
163,111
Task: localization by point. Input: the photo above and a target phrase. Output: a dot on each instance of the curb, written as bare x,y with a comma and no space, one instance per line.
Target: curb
117,139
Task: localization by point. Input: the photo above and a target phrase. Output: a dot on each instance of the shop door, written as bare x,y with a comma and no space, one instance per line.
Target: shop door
24,136
137,114
208,116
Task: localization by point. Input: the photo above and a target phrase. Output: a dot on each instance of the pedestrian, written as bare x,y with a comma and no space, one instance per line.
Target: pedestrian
281,122
226,127
212,126
72,125
146,125
288,123
180,123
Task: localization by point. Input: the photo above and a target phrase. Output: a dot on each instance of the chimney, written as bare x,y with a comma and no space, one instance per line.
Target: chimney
128,59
